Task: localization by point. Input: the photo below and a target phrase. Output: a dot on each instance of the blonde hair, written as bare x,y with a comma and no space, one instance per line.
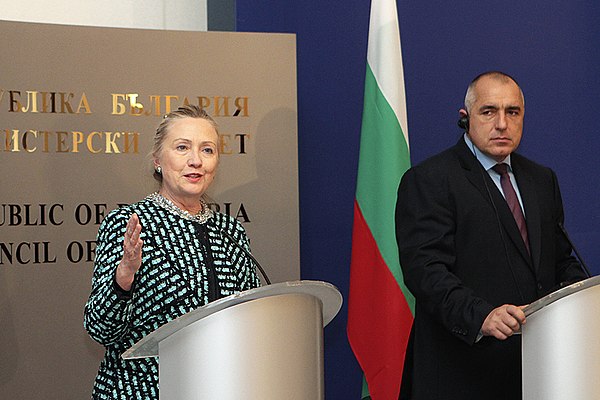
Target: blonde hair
186,111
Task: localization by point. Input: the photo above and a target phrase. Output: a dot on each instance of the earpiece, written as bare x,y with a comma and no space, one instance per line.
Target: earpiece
463,123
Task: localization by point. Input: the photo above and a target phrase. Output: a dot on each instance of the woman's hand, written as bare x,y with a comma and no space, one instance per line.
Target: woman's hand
132,254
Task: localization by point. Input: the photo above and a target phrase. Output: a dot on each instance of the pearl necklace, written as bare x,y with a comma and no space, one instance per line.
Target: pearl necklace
201,216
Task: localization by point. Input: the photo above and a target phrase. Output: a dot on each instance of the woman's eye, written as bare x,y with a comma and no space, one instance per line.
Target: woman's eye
181,147
208,150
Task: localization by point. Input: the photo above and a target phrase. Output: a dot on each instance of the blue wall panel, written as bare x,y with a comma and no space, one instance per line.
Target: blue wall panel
550,47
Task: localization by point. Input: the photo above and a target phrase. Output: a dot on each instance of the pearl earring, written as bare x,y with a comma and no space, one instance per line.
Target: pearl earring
159,170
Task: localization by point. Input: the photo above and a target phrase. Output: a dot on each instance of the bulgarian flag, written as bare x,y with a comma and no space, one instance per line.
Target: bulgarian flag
380,308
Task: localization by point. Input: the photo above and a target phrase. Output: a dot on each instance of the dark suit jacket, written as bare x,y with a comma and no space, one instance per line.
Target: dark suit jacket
462,256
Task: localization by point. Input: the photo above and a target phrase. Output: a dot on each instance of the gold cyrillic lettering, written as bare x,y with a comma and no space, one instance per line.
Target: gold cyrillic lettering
135,108
83,103
31,101
89,142
224,144
64,102
203,102
45,101
77,140
241,104
168,100
15,105
154,101
24,141
242,139
61,138
135,142
221,105
111,146
46,134
12,140
31,141
118,108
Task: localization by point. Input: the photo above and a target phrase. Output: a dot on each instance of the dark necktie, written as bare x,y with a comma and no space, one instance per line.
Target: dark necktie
512,200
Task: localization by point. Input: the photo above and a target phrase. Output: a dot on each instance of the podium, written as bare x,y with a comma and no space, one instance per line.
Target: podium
561,344
263,343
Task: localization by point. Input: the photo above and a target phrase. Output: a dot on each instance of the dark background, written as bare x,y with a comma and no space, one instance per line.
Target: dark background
551,47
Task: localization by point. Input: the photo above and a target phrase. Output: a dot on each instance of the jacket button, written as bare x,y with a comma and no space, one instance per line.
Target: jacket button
539,286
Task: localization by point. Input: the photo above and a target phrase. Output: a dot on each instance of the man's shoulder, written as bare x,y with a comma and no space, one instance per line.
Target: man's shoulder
522,163
443,161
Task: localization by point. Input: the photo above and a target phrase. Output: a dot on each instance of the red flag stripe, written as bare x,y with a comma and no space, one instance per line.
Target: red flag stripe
377,323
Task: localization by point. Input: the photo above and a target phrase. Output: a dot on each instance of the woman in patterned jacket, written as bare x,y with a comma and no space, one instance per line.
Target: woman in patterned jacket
163,256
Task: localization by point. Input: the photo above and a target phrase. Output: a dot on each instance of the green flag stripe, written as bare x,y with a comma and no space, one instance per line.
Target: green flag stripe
384,157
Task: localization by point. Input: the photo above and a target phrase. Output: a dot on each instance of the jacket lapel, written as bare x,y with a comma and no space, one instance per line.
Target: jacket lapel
475,173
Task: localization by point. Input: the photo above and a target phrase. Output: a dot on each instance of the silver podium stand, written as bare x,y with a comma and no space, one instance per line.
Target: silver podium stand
561,344
264,343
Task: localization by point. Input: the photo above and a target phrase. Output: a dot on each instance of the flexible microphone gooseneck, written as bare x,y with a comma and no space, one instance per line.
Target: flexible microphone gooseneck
584,267
247,253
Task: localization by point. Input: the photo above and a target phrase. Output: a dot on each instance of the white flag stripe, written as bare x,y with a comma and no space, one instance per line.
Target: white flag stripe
385,57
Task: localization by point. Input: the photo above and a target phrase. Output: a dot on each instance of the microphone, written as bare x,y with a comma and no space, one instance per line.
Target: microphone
584,267
246,252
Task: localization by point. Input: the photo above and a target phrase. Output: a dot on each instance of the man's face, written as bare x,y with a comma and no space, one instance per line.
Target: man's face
496,117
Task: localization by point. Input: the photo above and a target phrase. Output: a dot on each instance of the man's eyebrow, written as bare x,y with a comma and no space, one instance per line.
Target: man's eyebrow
486,107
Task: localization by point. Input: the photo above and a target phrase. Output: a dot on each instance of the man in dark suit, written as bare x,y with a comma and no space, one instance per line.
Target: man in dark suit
474,251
